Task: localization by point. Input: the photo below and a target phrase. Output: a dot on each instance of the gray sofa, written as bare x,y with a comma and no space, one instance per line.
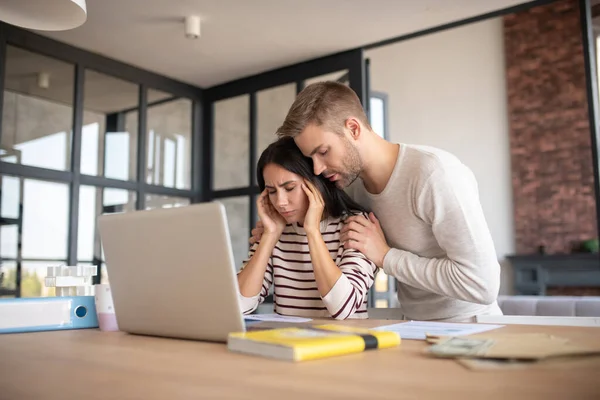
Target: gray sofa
563,306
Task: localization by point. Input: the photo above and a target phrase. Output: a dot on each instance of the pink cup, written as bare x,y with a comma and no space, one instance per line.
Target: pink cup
107,320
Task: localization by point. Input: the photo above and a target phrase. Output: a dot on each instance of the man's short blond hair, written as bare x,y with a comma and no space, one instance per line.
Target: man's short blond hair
327,104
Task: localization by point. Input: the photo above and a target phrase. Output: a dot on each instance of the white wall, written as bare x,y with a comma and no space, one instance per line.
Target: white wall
448,90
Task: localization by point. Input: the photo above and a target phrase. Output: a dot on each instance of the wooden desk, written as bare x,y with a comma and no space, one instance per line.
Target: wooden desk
89,364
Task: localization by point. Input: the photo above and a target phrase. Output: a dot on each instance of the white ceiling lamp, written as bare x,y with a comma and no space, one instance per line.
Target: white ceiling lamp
43,80
44,15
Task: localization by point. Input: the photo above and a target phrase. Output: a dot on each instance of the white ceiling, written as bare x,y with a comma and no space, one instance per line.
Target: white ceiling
245,37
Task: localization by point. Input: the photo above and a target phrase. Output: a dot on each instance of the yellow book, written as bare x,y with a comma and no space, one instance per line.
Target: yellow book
310,343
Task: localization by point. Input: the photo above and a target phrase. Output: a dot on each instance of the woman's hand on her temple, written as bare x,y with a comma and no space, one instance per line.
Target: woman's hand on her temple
272,221
314,214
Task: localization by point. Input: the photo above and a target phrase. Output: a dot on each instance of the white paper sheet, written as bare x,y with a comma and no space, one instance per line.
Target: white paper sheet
274,317
418,330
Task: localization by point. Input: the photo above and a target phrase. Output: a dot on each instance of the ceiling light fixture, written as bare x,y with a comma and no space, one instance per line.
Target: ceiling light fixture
43,80
44,15
192,27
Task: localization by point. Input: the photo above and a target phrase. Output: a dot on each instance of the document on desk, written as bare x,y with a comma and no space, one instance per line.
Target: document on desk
274,317
418,330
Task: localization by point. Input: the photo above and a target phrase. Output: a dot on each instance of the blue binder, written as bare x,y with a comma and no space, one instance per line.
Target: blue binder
47,314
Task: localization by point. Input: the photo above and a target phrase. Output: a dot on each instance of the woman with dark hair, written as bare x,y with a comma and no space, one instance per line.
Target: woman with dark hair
300,251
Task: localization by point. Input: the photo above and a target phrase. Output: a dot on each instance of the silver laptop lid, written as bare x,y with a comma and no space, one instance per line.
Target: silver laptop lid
172,272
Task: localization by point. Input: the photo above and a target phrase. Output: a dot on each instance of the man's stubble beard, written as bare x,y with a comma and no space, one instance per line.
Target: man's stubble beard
352,165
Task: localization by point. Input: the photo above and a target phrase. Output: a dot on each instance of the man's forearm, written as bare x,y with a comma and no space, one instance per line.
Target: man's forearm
476,282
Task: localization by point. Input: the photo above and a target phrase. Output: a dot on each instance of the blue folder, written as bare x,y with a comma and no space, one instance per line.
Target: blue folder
47,314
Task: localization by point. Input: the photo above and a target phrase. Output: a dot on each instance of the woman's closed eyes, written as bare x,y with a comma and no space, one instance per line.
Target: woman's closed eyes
287,189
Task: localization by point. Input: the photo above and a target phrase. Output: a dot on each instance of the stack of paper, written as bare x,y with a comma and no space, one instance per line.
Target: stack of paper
419,330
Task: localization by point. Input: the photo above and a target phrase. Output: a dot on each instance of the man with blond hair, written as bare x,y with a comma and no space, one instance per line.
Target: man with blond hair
427,227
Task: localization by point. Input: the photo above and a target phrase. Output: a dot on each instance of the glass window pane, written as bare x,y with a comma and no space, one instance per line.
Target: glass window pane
238,217
231,143
9,234
381,282
339,76
33,274
8,277
169,140
11,197
45,219
381,303
37,116
88,199
160,201
118,200
34,213
272,106
377,115
110,127
93,202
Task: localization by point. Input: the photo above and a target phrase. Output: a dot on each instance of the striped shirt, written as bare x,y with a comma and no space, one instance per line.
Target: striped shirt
295,290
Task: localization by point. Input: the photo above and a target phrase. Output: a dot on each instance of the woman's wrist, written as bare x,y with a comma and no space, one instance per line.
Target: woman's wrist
271,236
312,232
277,230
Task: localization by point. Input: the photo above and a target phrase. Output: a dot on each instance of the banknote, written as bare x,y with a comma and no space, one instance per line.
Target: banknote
461,347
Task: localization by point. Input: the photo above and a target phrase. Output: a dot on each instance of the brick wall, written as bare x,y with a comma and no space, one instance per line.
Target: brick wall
573,291
552,174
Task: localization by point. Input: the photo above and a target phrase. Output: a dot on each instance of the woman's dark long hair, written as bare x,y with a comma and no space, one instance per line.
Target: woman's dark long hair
286,154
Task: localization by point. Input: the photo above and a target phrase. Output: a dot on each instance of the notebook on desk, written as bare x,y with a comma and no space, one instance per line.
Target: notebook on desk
172,272
303,343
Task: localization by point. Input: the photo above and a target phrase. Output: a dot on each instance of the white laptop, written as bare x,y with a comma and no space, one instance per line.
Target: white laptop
172,272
